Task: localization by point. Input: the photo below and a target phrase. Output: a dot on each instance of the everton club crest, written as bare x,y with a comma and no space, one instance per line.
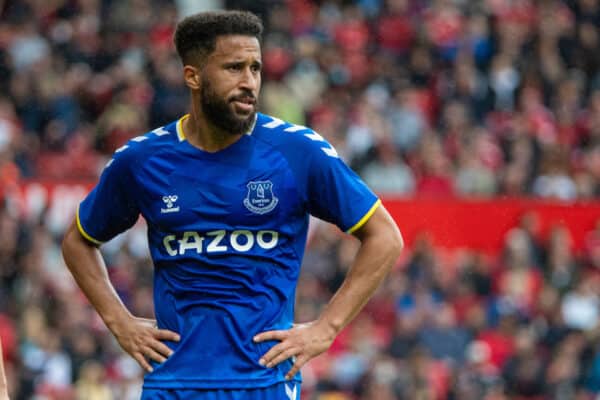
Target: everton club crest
260,198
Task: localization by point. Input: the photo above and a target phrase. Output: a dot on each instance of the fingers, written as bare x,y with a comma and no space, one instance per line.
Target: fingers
271,354
162,334
284,355
154,350
280,352
147,344
300,343
142,361
271,335
154,355
268,358
161,348
300,361
157,350
165,334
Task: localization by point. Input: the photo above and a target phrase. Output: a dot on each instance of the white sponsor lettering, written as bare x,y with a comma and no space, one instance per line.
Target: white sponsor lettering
215,244
190,241
219,241
249,242
167,243
272,242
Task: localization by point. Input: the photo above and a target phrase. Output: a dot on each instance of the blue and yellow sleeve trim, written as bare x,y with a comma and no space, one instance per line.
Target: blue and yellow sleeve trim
83,232
179,127
365,217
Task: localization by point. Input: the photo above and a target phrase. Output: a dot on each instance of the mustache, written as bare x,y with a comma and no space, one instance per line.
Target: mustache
246,96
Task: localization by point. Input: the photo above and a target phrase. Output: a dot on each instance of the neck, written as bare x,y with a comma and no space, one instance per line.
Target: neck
201,133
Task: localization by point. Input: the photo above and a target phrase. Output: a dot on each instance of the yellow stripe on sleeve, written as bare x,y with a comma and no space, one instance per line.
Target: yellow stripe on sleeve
83,232
365,217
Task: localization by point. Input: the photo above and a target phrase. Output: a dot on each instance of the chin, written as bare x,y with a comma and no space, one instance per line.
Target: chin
244,117
238,124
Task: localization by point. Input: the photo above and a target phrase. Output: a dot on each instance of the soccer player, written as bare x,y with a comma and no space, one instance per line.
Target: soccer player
226,193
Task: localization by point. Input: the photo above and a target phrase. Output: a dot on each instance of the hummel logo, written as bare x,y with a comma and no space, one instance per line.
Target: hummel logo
169,201
291,393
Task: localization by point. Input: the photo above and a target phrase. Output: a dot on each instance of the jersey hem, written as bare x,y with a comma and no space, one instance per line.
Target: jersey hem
212,384
83,232
365,217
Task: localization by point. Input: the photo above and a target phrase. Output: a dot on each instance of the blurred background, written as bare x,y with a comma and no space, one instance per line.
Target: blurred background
478,122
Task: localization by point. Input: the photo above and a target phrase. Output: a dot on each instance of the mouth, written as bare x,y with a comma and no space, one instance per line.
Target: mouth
245,104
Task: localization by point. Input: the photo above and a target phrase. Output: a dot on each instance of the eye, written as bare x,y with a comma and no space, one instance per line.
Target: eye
234,67
256,67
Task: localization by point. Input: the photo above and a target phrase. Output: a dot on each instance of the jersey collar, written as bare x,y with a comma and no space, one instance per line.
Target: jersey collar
181,133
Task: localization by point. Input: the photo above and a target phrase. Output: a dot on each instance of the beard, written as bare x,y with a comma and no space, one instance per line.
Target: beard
220,113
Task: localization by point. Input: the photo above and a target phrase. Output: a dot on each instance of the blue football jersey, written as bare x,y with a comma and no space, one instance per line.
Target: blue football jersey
226,232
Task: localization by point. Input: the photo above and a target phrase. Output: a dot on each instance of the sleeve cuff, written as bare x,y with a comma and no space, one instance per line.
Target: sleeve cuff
86,235
365,217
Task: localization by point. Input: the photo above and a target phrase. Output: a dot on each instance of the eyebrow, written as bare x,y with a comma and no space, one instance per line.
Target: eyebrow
241,62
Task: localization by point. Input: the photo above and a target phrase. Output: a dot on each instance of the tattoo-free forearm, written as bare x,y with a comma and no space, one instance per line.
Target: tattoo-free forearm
87,267
381,244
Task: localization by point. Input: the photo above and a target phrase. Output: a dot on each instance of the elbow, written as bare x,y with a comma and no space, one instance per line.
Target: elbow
386,239
66,245
399,243
396,243
391,244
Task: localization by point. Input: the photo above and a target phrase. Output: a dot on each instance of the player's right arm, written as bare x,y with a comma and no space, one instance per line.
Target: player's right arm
137,336
109,209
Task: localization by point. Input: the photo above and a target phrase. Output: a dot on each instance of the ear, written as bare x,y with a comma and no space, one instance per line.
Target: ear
191,76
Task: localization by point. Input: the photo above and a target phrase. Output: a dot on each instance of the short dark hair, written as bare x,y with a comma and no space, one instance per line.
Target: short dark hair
196,35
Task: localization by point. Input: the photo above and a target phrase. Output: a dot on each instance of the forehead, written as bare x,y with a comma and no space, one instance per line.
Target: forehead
236,46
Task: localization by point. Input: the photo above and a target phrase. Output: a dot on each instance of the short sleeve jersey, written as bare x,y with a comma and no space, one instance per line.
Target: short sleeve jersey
226,233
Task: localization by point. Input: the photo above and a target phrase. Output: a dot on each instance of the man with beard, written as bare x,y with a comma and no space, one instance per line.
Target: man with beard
226,193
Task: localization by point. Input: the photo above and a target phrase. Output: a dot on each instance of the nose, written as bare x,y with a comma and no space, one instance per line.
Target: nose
250,80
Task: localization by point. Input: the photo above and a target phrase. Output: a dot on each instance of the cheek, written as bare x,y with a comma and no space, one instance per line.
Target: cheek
223,91
220,84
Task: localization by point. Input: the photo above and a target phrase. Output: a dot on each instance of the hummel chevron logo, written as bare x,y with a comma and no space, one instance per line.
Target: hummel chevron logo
291,393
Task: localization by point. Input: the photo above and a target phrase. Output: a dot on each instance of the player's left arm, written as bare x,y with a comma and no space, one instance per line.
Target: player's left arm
381,243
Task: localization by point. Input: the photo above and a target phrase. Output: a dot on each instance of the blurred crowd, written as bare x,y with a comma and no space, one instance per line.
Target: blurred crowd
523,324
445,325
426,97
421,97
